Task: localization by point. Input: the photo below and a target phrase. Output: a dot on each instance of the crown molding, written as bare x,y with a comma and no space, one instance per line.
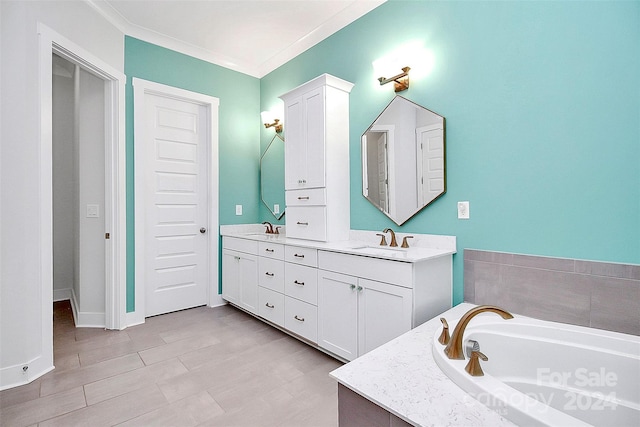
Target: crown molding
334,24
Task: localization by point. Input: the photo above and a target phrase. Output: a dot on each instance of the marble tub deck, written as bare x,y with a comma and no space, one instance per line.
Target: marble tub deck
403,378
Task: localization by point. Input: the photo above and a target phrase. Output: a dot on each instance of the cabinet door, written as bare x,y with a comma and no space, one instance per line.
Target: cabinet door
248,282
338,314
230,276
295,151
314,134
384,313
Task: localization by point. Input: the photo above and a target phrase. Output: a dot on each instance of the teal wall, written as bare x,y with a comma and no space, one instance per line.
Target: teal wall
542,107
239,124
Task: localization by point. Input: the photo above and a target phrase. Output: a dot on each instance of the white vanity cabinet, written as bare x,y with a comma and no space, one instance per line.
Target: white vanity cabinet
357,313
317,159
240,272
342,302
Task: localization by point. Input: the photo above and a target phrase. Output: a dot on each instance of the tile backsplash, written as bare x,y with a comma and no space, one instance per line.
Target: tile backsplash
588,293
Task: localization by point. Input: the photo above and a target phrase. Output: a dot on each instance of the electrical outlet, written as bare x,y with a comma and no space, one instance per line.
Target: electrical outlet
276,208
238,209
463,210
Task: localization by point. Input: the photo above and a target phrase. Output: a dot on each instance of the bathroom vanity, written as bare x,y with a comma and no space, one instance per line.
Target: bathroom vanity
346,297
335,288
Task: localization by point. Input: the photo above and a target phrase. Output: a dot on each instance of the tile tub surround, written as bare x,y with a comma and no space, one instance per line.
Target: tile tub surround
596,294
402,378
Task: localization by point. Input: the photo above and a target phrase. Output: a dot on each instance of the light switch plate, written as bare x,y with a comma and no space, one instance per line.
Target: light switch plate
463,210
238,209
93,211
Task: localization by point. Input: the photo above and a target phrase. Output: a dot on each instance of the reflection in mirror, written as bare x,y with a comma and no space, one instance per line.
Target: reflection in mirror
272,176
403,159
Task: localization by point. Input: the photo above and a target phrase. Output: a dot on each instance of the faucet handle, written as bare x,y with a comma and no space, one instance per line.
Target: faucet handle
383,242
473,367
444,336
277,230
405,244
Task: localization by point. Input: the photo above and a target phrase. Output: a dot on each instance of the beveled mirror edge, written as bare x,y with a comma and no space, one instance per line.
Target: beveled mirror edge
276,216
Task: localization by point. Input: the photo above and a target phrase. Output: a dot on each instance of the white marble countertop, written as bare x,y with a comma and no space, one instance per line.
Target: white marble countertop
362,243
402,377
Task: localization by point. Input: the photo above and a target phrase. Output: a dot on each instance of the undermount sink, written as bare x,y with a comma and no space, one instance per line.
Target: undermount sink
379,250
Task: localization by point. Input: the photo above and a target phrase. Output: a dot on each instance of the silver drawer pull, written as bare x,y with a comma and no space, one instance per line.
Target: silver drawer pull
299,319
303,197
298,256
302,223
298,283
269,305
269,250
269,274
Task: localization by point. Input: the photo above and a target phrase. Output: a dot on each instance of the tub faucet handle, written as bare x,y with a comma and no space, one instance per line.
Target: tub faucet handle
444,336
473,367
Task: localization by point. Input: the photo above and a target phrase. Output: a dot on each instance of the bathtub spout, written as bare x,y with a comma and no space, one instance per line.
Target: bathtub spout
453,350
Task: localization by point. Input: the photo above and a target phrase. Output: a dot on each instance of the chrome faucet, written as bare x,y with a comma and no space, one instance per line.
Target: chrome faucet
269,227
394,243
453,350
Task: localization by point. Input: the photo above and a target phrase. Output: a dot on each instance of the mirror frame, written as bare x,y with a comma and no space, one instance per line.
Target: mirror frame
363,159
282,212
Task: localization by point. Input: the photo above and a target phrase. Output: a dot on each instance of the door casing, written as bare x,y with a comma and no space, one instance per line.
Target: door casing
140,88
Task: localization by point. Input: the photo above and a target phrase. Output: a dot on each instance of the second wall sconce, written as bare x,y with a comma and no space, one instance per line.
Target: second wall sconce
270,121
401,80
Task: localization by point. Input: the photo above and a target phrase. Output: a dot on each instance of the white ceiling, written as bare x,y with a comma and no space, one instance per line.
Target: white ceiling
251,36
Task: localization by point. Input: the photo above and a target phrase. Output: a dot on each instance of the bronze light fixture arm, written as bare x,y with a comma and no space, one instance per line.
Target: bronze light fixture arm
400,85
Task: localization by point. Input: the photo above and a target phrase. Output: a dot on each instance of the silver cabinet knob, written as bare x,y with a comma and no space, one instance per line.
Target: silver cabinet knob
203,230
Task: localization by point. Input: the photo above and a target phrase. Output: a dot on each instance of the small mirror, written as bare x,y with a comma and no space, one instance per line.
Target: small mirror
403,159
272,176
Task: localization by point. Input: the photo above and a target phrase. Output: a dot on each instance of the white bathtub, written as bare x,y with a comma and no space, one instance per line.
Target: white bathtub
546,373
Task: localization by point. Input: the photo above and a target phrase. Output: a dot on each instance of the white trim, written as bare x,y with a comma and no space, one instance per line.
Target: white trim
115,175
13,376
351,13
61,294
85,319
140,88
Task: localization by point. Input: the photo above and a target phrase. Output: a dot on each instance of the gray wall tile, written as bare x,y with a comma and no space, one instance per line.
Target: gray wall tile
545,263
615,306
588,293
608,269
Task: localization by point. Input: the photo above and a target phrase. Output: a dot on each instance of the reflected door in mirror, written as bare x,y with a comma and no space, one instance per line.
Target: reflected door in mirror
403,159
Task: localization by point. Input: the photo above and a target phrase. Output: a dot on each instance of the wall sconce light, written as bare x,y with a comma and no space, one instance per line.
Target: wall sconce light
401,80
270,121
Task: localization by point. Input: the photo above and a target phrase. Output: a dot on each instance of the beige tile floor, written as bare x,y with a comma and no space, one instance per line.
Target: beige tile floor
198,367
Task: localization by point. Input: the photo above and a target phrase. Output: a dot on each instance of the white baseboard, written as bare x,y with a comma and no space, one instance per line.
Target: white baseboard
61,294
135,318
217,301
13,376
86,319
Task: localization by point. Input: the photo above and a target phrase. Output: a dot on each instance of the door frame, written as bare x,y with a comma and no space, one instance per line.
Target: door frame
115,177
142,87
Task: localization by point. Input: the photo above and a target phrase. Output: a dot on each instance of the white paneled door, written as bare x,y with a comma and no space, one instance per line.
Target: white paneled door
176,191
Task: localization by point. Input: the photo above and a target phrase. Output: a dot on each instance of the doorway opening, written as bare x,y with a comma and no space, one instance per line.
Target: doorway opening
78,185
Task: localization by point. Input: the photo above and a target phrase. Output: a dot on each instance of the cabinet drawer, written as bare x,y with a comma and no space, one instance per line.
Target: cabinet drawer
300,255
381,270
301,318
271,250
309,197
301,282
240,245
271,274
307,222
271,305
